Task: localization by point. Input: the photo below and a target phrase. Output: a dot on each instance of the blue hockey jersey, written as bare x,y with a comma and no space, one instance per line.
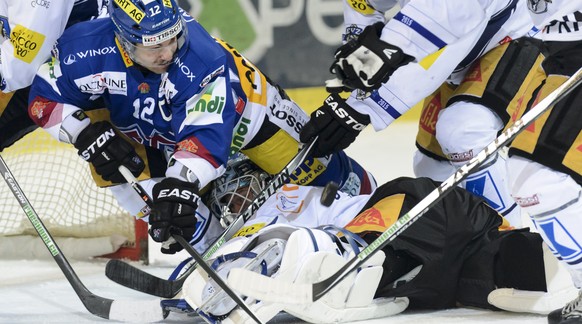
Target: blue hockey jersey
209,104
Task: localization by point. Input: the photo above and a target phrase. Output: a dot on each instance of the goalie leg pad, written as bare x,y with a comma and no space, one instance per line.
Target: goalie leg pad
560,290
351,300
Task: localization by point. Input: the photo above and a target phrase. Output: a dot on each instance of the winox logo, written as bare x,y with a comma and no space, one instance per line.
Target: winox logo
185,69
98,143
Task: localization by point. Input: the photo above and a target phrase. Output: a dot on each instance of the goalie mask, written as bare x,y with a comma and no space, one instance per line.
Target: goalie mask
150,31
235,190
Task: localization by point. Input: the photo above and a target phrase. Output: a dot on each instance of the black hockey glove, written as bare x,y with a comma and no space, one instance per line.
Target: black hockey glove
173,212
100,145
337,125
366,62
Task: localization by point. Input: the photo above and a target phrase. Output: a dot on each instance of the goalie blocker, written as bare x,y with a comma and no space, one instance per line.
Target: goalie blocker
455,255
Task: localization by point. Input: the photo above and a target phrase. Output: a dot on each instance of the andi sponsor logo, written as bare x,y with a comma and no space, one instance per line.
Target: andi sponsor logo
239,136
209,103
212,100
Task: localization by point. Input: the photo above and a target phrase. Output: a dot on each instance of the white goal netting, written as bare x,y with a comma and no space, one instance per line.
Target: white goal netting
59,186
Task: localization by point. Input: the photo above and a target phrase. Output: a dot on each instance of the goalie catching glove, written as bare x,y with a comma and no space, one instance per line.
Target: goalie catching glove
366,62
337,125
100,145
173,212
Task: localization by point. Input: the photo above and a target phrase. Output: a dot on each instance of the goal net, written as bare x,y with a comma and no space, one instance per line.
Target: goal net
83,219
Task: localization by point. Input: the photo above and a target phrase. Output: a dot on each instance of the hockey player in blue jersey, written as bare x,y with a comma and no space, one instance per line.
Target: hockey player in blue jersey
192,100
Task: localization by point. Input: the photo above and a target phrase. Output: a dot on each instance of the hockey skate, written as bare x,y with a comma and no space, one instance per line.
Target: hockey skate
571,313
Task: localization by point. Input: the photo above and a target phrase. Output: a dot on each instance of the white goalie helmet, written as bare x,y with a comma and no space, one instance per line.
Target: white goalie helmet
235,190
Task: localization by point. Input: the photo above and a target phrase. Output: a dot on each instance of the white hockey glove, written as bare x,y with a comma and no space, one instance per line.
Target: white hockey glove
366,62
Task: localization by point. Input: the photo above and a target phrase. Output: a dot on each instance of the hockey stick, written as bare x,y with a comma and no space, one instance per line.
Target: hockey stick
186,245
272,290
140,311
137,279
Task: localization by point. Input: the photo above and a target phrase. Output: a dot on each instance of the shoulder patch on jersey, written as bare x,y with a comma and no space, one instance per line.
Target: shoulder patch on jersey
211,76
27,43
206,107
361,6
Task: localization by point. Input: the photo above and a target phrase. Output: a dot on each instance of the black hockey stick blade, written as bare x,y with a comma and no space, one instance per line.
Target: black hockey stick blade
169,288
134,278
141,311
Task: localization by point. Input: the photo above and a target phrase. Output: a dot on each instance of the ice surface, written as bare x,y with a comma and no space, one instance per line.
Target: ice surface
37,292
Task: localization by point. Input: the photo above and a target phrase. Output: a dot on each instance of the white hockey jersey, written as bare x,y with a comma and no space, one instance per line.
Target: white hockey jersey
293,205
28,31
444,37
300,206
558,20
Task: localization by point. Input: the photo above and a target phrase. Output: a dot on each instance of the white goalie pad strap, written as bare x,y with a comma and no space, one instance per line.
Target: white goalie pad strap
561,290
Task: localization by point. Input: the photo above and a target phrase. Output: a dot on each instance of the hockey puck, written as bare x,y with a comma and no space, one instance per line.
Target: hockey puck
328,194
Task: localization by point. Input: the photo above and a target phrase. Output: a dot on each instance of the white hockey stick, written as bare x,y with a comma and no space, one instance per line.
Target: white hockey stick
127,311
268,289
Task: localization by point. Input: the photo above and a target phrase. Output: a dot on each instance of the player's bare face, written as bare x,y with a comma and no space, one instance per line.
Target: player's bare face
156,58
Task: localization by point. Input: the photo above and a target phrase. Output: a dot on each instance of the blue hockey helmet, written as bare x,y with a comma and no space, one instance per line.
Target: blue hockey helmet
147,23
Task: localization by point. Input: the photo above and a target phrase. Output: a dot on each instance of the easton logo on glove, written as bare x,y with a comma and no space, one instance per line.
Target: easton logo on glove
348,120
179,193
99,142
